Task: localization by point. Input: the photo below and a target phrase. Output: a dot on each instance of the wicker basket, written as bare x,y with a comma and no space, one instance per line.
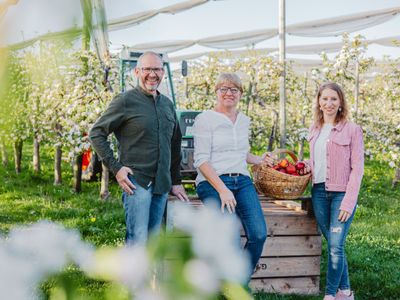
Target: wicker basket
273,183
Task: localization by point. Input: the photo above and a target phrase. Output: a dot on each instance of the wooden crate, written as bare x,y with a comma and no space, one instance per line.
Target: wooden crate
290,261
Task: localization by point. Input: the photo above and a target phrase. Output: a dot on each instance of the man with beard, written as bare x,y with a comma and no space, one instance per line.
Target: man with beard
149,146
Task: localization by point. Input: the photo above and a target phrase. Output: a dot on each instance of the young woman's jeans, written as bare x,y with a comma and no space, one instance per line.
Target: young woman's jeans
143,213
326,209
248,209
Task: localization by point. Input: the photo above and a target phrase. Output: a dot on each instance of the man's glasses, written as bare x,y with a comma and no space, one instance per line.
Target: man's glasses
224,90
149,70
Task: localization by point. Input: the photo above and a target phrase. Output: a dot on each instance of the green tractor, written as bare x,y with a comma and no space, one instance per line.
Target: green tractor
127,62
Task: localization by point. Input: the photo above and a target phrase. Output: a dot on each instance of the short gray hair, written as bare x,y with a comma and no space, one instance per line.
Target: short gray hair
231,78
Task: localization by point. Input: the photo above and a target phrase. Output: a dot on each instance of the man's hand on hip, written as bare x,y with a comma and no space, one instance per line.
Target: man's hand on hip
123,180
179,192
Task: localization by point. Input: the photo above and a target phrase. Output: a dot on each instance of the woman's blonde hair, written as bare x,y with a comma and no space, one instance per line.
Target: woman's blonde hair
343,112
231,78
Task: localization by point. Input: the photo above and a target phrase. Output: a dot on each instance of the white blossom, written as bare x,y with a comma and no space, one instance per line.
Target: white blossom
30,254
201,275
215,239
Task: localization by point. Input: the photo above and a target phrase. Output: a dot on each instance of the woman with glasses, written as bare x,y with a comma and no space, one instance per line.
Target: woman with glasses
221,155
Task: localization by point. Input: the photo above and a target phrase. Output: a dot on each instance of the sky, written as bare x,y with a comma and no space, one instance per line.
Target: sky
32,17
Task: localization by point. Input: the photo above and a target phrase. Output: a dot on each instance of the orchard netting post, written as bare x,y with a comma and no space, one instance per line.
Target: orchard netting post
282,78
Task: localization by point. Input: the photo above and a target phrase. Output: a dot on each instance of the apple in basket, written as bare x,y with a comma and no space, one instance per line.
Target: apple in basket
284,166
300,168
291,169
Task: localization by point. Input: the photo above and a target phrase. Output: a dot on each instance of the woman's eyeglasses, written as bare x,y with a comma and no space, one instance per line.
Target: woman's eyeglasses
224,90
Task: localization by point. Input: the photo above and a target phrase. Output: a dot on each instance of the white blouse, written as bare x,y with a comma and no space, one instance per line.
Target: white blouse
221,143
320,153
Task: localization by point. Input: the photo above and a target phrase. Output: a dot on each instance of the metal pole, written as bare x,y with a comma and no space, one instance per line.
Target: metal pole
282,78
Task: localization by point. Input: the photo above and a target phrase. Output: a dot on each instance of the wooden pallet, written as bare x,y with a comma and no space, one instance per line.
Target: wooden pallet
290,261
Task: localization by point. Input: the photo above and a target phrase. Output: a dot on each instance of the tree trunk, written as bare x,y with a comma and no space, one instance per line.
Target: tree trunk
396,178
77,174
105,175
272,136
301,150
248,98
36,155
301,146
4,154
57,166
18,155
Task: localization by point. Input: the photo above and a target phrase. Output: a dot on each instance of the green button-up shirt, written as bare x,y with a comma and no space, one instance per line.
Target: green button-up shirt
149,138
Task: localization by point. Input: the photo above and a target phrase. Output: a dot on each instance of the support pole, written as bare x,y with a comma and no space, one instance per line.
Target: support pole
282,78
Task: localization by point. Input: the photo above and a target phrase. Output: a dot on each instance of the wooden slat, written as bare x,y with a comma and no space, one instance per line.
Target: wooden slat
289,204
291,246
291,225
295,285
267,206
280,220
261,197
287,267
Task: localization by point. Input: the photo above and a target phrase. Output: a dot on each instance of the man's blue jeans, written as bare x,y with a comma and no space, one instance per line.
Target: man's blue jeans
326,209
248,209
143,213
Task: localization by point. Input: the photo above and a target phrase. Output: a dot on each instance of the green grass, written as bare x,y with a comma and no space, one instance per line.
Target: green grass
373,245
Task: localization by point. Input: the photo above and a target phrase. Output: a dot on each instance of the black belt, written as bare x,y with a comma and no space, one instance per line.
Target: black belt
232,174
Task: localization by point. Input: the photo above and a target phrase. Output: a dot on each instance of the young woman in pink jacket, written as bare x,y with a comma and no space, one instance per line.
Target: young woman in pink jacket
337,165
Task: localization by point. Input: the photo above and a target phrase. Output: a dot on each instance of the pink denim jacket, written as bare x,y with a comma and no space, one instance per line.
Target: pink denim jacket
344,159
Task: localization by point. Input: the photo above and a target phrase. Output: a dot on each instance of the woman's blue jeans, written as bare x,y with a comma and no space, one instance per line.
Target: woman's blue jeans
248,209
326,209
143,213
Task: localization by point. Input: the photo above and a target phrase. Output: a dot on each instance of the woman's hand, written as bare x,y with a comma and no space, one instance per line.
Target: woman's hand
228,200
306,170
266,157
343,216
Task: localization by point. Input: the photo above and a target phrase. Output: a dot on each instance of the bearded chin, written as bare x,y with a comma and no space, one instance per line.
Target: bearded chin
152,87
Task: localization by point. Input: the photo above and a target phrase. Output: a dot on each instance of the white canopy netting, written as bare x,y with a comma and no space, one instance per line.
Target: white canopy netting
19,28
319,28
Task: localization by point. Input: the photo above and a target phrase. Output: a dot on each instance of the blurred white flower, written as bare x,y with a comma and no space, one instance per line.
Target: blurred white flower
201,276
32,253
129,266
215,238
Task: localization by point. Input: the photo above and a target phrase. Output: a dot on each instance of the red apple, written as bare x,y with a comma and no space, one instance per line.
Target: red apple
291,169
300,165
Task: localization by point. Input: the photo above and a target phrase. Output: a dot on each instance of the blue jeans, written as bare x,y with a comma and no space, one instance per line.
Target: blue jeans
248,210
326,209
143,213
